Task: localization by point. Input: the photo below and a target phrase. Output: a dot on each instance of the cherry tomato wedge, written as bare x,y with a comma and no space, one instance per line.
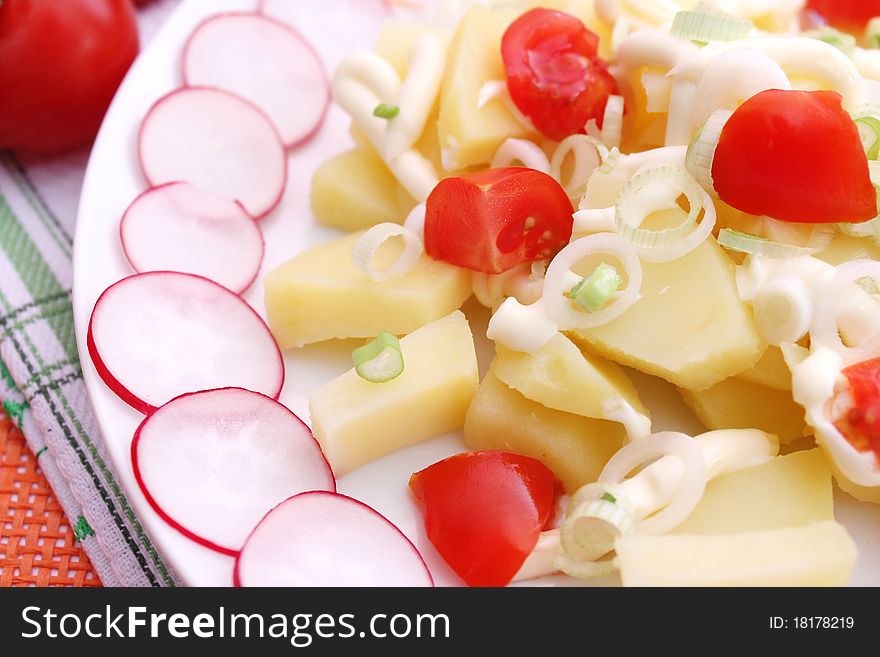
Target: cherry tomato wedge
494,220
847,14
861,423
554,74
60,64
794,156
484,512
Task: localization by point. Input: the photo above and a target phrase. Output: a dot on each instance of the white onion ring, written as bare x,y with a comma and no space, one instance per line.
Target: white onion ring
792,291
370,242
559,275
415,221
521,150
826,330
640,205
689,491
732,77
586,160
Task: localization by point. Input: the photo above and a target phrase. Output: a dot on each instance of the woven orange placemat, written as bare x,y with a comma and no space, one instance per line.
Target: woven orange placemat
37,544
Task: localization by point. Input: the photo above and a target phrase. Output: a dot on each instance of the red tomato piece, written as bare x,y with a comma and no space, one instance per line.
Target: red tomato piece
794,156
554,74
495,220
847,14
484,512
60,64
861,423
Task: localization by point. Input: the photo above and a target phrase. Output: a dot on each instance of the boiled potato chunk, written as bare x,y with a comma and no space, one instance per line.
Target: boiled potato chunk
789,491
690,326
355,190
560,376
845,247
740,404
819,554
356,421
770,371
469,134
320,295
575,448
398,36
861,493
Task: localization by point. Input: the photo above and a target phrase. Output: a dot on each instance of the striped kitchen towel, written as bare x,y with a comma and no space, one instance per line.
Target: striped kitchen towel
41,384
41,381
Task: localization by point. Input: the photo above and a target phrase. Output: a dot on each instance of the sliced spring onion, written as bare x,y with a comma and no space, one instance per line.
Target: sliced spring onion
657,189
385,111
668,444
593,523
586,159
366,248
869,131
595,290
559,281
415,221
701,152
783,309
610,161
734,240
872,33
594,220
844,42
706,24
522,328
522,151
612,123
379,360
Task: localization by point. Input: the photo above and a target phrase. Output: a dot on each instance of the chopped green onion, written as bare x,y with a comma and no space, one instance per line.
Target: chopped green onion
595,290
384,111
734,240
872,33
380,360
608,497
869,131
592,523
706,24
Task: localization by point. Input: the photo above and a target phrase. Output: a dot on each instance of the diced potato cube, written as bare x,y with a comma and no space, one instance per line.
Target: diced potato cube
574,447
770,371
321,295
739,404
355,190
689,327
820,554
789,491
469,134
356,421
844,248
560,376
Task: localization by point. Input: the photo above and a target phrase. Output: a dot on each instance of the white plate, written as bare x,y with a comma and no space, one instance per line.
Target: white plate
113,179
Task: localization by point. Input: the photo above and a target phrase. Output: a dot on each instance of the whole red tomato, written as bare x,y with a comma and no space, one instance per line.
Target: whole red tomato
60,64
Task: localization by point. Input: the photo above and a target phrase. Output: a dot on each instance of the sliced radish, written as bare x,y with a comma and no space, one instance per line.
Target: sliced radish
336,27
217,141
157,335
327,539
179,227
213,463
266,62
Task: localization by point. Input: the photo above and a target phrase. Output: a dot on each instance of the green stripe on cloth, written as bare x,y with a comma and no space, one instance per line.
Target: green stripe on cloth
50,305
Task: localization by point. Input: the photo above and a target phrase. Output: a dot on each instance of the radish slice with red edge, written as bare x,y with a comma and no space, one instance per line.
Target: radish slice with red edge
218,142
179,227
266,62
327,539
213,463
336,27
158,335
